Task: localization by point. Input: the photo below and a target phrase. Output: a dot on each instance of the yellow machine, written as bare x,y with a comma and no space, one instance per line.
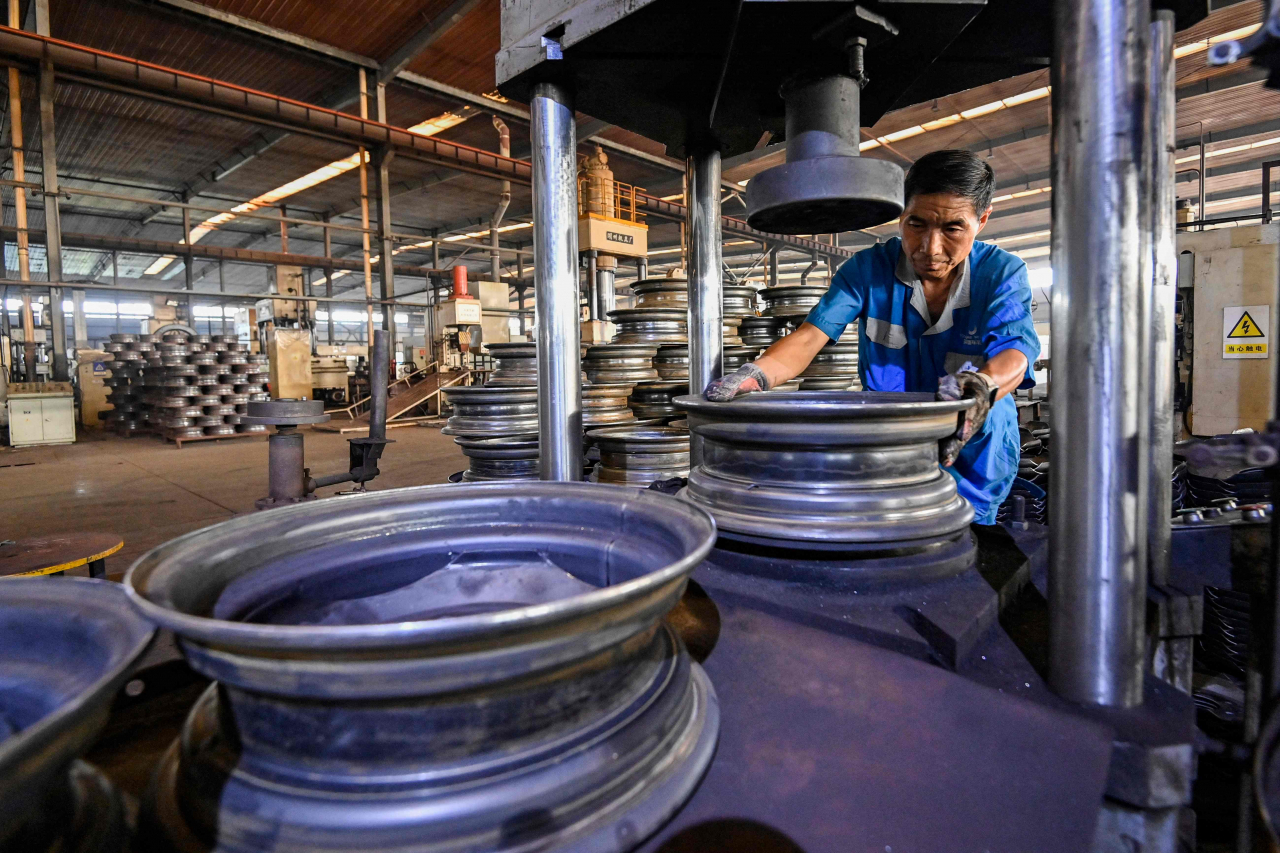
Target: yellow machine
609,227
92,372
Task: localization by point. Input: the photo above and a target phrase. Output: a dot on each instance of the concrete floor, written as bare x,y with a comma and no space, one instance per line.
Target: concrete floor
148,491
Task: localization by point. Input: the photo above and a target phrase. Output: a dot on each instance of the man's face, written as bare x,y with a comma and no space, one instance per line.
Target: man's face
938,231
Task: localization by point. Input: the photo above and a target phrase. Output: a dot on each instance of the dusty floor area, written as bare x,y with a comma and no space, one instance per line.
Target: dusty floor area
148,491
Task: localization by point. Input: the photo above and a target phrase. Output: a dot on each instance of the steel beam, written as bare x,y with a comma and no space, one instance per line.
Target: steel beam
555,234
53,220
424,38
1097,575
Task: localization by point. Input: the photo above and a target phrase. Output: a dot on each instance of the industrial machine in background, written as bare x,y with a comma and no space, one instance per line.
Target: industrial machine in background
284,333
474,314
609,227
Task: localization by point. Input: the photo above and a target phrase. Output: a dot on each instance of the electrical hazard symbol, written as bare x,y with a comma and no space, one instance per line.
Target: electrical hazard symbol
1245,329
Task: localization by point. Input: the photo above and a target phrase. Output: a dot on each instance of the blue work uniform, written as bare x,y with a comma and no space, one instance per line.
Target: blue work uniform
899,349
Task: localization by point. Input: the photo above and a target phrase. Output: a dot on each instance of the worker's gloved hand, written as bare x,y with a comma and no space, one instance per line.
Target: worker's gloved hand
966,382
749,377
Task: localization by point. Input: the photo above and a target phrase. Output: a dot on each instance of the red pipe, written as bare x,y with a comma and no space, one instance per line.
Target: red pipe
460,282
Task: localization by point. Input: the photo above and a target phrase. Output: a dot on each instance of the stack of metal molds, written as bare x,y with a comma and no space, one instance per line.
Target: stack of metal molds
67,647
650,325
128,391
739,301
640,455
510,413
735,357
514,364
791,301
503,458
606,364
760,333
202,388
433,668
672,362
834,368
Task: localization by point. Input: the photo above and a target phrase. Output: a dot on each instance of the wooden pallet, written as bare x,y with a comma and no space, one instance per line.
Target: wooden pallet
168,435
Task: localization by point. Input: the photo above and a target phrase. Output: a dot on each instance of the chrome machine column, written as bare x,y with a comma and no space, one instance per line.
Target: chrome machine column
1097,573
555,287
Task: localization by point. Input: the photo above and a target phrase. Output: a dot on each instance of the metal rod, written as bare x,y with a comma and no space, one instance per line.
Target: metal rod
642,269
555,215
386,265
1097,583
606,297
706,283
1162,97
362,158
380,359
593,303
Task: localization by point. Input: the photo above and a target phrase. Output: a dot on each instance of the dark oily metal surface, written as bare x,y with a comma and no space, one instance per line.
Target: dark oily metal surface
654,399
937,762
829,383
285,412
793,300
433,666
851,467
620,363
486,412
640,455
66,645
824,195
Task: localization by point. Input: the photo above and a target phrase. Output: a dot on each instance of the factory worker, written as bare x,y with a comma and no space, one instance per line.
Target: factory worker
936,312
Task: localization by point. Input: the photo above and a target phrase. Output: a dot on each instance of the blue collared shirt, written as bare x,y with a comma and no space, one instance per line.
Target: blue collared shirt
988,311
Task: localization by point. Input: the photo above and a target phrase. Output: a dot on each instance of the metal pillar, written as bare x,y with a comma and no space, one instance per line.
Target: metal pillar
52,224
593,299
362,158
773,266
1162,97
386,267
555,232
606,297
706,285
328,278
188,261
80,329
642,269
1097,574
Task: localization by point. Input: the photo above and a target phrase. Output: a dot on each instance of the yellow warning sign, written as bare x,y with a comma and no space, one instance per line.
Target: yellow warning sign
1246,328
1245,331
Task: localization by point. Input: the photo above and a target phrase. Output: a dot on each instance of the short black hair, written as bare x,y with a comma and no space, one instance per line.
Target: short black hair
955,171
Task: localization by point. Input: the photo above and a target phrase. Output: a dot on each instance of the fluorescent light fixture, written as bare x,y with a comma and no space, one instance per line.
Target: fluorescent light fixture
955,118
1234,149
327,172
1027,254
1017,238
1203,44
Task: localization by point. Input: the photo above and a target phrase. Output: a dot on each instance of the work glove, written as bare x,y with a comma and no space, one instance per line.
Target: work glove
749,377
965,382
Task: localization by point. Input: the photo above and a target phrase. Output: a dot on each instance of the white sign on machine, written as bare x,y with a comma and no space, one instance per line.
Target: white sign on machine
1246,331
